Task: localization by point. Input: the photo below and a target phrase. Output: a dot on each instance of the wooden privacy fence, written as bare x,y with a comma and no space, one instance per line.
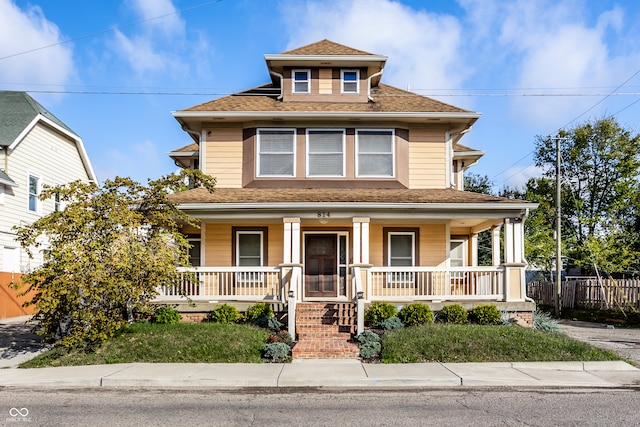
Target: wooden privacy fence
589,293
10,299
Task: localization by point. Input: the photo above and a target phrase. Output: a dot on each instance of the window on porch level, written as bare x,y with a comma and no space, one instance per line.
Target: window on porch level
400,248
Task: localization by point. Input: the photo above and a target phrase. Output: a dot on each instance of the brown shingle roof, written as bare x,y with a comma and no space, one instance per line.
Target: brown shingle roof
187,148
334,195
325,47
387,99
461,148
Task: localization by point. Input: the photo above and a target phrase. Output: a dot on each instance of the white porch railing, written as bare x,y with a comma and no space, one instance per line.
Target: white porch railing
226,283
436,283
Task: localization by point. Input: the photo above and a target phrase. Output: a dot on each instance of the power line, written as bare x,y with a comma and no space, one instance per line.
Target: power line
108,30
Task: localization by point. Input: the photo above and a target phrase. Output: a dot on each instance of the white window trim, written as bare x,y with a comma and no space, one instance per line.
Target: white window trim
259,174
342,81
293,80
393,153
249,277
344,154
413,245
237,254
464,250
38,209
2,194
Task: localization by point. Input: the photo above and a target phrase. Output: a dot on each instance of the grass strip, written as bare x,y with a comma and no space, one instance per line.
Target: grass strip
176,343
476,343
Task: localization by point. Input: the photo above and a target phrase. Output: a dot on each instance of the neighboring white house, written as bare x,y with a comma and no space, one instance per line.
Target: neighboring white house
36,148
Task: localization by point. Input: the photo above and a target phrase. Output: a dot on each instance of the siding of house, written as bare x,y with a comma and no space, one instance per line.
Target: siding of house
55,160
427,158
218,244
224,157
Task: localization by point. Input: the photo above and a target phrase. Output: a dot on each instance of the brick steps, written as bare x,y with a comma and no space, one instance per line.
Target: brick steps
325,331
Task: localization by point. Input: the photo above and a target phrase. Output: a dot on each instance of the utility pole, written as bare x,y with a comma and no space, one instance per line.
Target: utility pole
558,294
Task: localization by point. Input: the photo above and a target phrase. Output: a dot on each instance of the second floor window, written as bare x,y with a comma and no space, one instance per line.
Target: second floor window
301,80
350,80
276,153
34,192
375,153
325,153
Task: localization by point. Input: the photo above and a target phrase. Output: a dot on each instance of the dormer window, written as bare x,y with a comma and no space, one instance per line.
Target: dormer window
350,81
301,79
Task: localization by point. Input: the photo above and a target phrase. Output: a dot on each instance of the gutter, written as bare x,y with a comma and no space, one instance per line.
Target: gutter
379,73
281,77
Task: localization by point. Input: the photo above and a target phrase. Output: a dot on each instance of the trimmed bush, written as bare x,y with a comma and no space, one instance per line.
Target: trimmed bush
257,311
379,311
270,323
453,313
415,314
369,344
276,352
390,324
166,315
485,314
543,321
224,313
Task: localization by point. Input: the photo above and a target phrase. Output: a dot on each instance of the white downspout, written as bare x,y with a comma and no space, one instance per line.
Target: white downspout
379,73
281,77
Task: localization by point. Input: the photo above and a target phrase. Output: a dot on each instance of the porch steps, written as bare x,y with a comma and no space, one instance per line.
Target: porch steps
325,331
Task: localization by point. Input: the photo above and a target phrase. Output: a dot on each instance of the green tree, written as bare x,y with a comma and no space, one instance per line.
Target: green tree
107,251
600,164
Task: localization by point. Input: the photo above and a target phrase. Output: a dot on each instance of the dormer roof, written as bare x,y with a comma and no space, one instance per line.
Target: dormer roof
326,53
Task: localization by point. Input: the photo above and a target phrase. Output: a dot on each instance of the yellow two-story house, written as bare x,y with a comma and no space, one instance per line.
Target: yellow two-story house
334,187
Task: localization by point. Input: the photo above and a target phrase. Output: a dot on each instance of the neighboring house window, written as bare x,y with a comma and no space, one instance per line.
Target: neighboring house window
1,194
10,260
276,153
301,81
34,192
375,153
57,204
350,81
325,153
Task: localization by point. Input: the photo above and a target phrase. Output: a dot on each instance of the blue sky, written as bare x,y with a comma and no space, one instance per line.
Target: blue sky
114,70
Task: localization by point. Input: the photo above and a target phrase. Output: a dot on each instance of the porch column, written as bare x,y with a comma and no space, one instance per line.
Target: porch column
474,250
495,245
513,241
361,240
291,241
291,258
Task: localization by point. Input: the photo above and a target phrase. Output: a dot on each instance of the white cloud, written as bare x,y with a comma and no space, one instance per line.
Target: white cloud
25,30
151,48
517,176
424,48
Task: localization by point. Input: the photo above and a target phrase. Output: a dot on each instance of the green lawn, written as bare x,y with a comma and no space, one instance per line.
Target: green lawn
218,343
177,343
476,343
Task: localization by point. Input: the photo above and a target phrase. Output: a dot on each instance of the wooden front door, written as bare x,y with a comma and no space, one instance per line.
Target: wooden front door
321,265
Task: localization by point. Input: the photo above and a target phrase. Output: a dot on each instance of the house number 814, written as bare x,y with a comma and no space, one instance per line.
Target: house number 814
324,214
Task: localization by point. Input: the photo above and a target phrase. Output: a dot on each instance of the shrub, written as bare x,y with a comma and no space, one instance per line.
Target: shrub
416,313
257,311
544,322
276,352
166,315
224,313
369,344
379,311
390,324
270,323
454,313
485,314
280,336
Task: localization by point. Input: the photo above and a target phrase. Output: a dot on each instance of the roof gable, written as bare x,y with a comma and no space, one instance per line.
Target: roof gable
17,111
325,47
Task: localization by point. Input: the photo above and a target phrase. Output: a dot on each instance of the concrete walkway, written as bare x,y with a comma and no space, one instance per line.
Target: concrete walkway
330,374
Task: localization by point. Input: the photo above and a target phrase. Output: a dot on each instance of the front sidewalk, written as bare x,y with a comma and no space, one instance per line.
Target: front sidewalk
329,373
